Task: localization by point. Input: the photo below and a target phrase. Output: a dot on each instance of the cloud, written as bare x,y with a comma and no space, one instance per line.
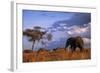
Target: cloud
78,30
57,28
70,32
87,40
77,19
63,24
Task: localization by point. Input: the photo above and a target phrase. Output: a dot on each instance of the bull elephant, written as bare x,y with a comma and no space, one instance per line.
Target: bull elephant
75,42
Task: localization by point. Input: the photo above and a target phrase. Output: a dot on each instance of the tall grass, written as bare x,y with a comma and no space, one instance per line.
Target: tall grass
55,55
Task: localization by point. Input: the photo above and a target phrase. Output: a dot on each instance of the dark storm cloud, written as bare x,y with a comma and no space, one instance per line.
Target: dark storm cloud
77,19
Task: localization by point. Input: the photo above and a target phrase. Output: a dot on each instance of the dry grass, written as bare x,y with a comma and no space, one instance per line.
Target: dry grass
55,55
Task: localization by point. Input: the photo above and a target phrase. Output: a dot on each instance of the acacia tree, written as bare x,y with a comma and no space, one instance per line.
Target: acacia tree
35,35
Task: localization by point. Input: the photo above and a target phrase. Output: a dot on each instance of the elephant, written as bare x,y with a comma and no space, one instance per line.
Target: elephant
75,42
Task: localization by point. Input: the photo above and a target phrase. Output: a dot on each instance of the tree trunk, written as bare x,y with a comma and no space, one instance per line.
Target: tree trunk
33,45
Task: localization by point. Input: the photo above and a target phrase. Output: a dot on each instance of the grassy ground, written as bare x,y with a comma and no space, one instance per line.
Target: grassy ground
55,55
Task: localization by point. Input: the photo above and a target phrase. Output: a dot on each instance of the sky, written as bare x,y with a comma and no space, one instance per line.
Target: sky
61,25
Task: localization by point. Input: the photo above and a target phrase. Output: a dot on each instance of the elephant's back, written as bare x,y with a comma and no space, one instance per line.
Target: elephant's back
79,40
71,40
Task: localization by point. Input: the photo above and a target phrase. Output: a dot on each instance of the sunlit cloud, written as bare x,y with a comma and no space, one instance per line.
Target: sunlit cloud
78,30
70,32
86,40
62,24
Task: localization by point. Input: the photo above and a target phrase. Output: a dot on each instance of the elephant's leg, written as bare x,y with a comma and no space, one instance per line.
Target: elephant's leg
66,46
73,48
81,48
